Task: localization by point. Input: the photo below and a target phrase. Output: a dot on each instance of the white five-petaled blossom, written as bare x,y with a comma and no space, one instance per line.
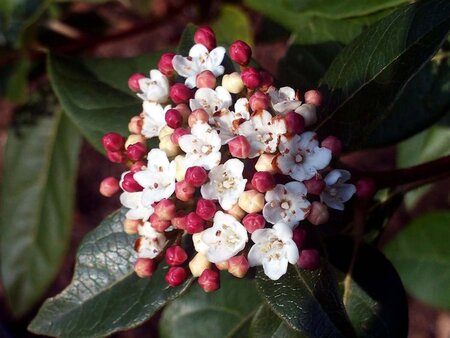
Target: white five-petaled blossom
211,100
202,146
154,118
223,240
287,204
225,184
263,132
151,243
336,191
283,100
301,157
158,179
273,249
138,210
199,60
155,88
224,122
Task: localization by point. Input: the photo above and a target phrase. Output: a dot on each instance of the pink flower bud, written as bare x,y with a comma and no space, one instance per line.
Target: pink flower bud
116,156
174,137
113,142
314,185
318,213
313,97
205,79
184,191
137,166
165,64
176,255
158,224
236,212
238,266
144,267
334,144
209,280
196,176
239,147
365,188
254,222
179,93
222,265
136,151
266,80
129,184
194,223
133,82
205,209
259,101
240,52
205,35
263,181
109,186
173,118
179,220
250,77
135,125
184,110
165,209
295,123
299,237
197,115
130,226
175,276
309,259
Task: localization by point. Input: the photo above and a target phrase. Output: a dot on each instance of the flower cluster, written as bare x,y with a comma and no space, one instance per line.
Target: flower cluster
236,170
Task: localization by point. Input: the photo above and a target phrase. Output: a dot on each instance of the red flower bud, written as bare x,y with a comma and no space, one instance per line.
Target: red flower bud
174,137
179,93
173,118
334,144
266,80
184,191
194,223
179,220
299,237
240,52
175,276
253,222
314,185
165,64
205,209
205,79
239,147
197,115
165,209
109,186
137,166
158,224
129,184
136,151
144,267
309,259
250,77
196,176
313,97
133,82
116,156
205,35
113,142
176,255
238,266
259,101
318,214
295,123
365,188
263,181
209,280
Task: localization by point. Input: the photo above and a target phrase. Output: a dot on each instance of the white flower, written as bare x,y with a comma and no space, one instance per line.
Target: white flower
241,109
336,191
158,179
283,100
273,249
199,59
223,240
263,132
225,184
154,118
287,204
151,243
202,146
300,156
155,88
224,124
138,210
211,100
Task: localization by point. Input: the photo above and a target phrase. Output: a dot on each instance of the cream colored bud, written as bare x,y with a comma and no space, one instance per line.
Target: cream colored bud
233,82
222,265
308,111
198,264
265,163
180,170
135,138
130,226
251,201
236,212
164,132
170,148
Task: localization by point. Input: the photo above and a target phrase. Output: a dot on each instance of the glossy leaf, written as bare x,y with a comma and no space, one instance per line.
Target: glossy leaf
186,40
37,195
94,92
421,255
224,313
105,294
365,80
232,24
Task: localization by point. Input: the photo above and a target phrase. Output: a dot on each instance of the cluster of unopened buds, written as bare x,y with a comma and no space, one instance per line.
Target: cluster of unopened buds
236,170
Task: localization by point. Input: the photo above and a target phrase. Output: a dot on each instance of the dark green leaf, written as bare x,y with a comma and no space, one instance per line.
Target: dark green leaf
421,255
37,195
94,93
105,294
232,24
225,313
186,40
369,74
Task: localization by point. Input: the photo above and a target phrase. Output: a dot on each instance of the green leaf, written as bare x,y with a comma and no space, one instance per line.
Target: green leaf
94,92
186,40
365,79
37,196
224,313
421,255
308,301
105,294
232,24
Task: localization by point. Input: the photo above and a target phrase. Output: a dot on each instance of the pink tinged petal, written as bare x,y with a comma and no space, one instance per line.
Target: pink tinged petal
275,268
255,256
346,191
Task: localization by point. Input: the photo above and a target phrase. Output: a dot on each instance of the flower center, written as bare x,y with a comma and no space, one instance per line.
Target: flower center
206,149
298,158
285,205
333,192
